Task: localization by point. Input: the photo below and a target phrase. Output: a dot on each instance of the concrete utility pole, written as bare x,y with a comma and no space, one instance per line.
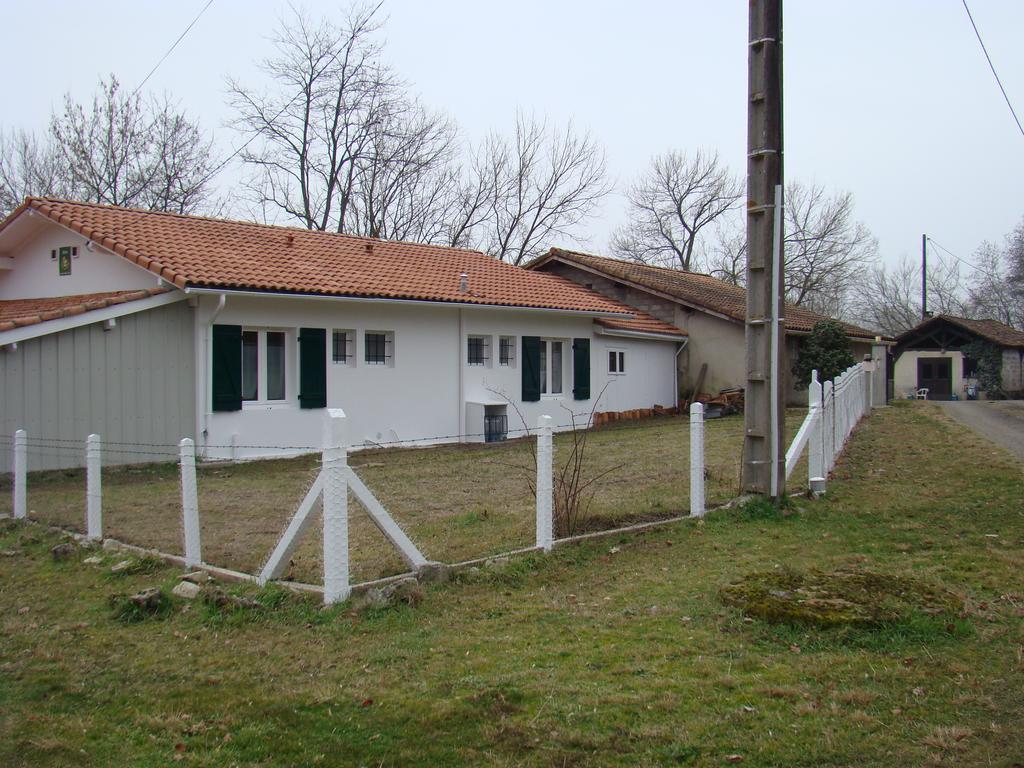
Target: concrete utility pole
763,454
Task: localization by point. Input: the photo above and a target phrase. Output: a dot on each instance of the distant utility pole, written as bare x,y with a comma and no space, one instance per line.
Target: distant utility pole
924,277
763,455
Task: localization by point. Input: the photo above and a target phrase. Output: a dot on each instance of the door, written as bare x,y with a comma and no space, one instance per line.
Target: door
935,374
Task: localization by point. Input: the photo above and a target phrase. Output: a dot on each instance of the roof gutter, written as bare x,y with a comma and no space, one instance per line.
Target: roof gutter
603,331
414,302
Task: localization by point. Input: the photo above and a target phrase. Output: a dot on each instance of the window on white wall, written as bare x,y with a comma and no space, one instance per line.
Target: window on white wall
379,347
264,365
342,344
507,351
478,350
616,361
552,366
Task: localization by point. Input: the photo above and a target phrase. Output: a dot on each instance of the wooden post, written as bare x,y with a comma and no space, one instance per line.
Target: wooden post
545,487
20,469
190,503
93,488
697,460
765,362
335,460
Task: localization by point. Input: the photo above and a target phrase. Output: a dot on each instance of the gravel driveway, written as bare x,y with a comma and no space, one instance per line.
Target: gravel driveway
1001,421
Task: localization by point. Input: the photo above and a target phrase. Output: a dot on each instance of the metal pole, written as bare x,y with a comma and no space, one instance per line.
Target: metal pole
924,277
762,450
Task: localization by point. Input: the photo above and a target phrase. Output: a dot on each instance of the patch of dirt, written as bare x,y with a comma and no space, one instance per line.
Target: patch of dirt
844,597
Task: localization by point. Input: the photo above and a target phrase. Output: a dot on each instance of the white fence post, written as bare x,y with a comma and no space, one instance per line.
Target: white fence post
697,460
816,444
545,484
93,488
190,503
335,459
20,469
829,424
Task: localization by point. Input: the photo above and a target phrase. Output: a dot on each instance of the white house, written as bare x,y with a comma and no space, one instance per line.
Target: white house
148,327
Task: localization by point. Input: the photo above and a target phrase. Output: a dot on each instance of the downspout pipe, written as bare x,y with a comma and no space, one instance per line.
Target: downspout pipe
675,372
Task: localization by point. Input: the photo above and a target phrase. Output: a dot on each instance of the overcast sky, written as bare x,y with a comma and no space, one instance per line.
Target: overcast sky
892,101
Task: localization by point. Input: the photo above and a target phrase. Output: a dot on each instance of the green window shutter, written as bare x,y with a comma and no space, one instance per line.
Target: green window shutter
581,369
226,368
312,368
531,368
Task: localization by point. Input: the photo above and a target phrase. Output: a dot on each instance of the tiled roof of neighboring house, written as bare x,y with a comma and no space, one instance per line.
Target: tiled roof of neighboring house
692,288
643,323
994,331
191,251
17,313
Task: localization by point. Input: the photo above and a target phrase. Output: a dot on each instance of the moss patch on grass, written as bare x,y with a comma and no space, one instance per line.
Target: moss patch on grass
838,598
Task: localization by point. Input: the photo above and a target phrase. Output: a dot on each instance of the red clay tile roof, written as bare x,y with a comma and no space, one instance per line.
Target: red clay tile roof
190,251
994,331
691,288
17,313
643,323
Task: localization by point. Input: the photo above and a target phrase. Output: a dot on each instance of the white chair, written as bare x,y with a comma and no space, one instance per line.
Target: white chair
922,393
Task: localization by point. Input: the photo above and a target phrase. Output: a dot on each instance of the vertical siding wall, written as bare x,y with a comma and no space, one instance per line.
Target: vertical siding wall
132,384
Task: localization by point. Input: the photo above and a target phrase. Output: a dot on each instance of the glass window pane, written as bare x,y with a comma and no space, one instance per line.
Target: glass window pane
611,362
375,348
556,367
622,362
275,365
476,350
340,347
543,367
250,365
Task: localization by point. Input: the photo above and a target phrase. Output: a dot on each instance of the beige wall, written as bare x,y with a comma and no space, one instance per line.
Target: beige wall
905,374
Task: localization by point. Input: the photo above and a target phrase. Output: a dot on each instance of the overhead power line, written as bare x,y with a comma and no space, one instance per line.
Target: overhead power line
173,46
993,68
965,262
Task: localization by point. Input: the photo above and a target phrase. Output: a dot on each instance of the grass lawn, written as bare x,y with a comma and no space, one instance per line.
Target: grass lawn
456,502
612,652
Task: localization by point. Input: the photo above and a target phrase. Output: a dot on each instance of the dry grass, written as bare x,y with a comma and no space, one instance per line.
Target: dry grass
456,502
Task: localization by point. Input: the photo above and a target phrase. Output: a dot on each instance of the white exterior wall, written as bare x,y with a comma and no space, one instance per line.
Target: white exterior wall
417,397
35,275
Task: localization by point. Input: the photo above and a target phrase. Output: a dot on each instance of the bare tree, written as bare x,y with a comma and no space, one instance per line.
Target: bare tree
997,286
542,182
889,298
669,205
127,151
727,256
29,166
308,134
827,251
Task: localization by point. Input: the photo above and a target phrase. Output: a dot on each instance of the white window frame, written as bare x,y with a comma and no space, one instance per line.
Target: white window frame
546,358
261,365
511,361
618,367
389,349
486,349
350,348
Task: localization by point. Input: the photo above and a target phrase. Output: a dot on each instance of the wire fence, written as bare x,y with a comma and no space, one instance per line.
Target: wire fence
456,501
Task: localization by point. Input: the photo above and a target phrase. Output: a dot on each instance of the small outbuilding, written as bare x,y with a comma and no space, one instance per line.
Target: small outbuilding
942,357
